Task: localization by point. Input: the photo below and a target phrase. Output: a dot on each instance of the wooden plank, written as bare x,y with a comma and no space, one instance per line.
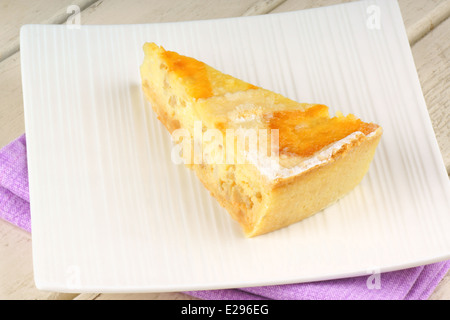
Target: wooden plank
152,11
432,59
16,274
262,7
419,16
135,296
11,109
422,16
15,13
293,5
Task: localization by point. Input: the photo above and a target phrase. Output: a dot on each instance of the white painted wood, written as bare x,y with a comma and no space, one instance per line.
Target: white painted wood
16,276
262,7
14,13
135,296
433,72
11,107
432,59
70,218
419,16
152,11
423,16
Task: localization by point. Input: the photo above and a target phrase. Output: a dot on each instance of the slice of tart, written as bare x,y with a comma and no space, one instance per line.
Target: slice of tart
268,160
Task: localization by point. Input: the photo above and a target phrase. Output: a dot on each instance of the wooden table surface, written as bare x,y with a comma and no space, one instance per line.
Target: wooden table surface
426,22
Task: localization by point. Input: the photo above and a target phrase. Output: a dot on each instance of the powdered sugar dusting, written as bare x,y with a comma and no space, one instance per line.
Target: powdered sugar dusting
271,168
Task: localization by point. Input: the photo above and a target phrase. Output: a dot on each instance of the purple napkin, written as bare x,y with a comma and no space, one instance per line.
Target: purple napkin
14,197
408,284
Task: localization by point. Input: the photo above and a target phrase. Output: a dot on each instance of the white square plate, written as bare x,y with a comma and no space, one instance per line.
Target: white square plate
112,213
